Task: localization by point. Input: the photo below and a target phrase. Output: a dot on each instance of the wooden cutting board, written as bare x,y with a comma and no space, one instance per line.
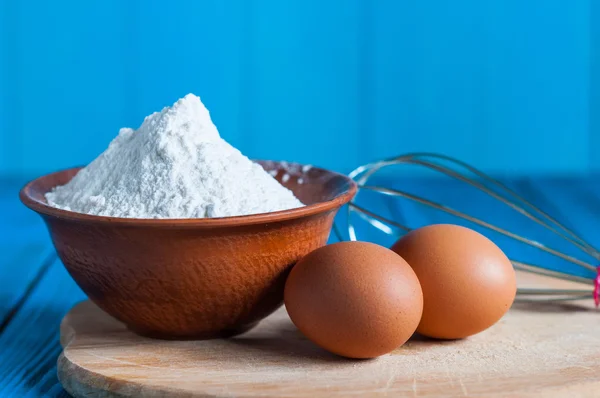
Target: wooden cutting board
545,350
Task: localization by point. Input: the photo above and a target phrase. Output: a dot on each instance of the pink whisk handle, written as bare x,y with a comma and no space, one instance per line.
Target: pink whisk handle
597,287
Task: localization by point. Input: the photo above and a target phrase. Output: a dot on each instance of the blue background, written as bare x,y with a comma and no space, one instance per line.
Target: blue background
510,86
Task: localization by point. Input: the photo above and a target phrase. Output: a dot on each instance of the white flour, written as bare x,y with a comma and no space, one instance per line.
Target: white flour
174,166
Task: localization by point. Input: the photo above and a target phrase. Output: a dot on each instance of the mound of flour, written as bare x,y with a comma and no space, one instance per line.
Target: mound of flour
174,166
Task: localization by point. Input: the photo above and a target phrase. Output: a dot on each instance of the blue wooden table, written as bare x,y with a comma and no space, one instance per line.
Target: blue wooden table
36,291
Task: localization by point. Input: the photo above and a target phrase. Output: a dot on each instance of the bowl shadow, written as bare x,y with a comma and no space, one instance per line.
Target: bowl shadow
285,343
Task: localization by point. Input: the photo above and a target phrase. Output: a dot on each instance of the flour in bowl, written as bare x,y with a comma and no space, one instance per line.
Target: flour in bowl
175,165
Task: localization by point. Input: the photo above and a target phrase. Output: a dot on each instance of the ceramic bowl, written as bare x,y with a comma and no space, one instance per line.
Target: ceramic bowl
192,278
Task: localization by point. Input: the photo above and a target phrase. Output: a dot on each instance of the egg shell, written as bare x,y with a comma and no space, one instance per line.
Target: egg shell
354,299
468,283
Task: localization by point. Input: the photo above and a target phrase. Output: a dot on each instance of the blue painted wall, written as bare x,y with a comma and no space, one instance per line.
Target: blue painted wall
511,86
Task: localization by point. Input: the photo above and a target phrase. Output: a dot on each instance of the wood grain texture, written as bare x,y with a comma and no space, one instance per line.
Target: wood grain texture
547,350
26,251
30,342
35,293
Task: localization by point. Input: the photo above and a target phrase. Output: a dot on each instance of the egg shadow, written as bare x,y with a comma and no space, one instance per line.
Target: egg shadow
288,345
419,339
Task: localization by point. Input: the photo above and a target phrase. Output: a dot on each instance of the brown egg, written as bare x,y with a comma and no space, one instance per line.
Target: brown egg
468,282
355,299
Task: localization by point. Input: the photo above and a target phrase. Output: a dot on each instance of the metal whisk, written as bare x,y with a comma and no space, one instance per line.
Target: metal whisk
458,170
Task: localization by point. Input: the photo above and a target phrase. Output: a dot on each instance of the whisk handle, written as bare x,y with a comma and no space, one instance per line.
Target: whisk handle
597,288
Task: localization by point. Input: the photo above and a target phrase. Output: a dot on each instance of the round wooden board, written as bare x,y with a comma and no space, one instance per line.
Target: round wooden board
545,350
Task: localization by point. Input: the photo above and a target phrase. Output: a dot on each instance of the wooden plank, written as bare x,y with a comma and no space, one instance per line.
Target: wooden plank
25,247
19,284
28,272
529,353
30,340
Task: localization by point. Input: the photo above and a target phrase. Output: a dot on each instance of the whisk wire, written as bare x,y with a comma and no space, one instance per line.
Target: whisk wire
413,159
496,190
574,238
449,210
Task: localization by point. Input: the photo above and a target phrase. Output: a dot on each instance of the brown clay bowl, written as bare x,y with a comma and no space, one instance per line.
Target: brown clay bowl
192,278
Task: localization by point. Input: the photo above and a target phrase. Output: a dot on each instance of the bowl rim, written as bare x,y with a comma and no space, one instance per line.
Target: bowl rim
338,201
